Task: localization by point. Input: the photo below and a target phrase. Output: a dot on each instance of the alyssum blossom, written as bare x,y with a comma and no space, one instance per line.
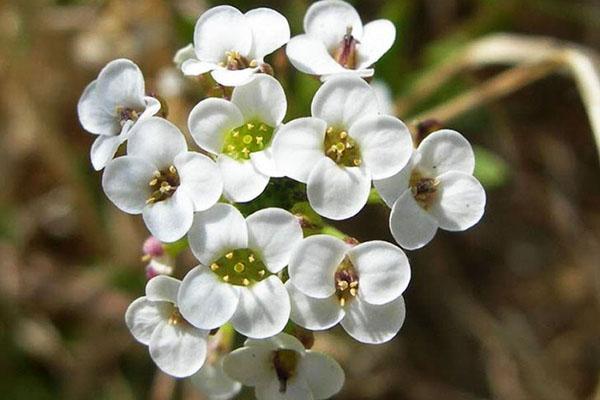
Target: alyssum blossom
161,180
435,190
345,144
359,287
232,45
177,348
337,42
280,368
235,280
239,132
111,105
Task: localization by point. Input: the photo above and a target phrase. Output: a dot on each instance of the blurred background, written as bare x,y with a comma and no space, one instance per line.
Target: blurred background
507,310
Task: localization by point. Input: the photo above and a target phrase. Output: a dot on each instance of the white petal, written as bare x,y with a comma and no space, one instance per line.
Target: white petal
193,67
384,96
270,31
296,389
385,144
103,150
241,181
170,219
263,309
338,192
323,374
264,162
298,147
313,264
94,117
356,73
219,30
213,382
460,201
249,365
205,300
343,100
378,37
184,54
328,20
390,189
156,140
238,77
125,182
152,107
374,324
211,120
309,55
200,179
280,341
411,225
311,313
121,84
143,316
216,231
179,350
274,233
446,150
383,271
261,99
163,288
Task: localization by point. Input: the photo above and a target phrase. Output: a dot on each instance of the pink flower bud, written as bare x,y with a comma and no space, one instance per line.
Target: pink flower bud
153,247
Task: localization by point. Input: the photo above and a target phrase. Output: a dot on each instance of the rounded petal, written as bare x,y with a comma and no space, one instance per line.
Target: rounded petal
261,99
234,78
444,151
329,20
249,365
219,30
204,300
343,100
378,37
184,54
311,313
383,271
121,84
163,288
323,374
270,31
385,144
374,324
152,107
280,341
143,316
125,182
216,231
179,351
193,67
411,225
309,55
296,389
213,382
170,219
264,162
384,96
241,181
200,179
94,117
274,233
103,150
460,201
298,147
390,189
156,140
337,192
263,309
210,120
313,264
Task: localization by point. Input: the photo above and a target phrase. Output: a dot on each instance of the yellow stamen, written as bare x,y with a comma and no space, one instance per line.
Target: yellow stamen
214,266
245,282
229,255
226,278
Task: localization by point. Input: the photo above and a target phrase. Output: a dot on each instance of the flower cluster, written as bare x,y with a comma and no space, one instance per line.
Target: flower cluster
278,268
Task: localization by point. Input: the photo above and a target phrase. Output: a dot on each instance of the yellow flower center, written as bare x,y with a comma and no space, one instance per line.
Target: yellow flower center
346,282
251,137
341,148
424,189
240,267
163,184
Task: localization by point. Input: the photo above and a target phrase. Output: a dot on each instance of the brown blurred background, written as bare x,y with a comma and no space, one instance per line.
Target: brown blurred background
507,310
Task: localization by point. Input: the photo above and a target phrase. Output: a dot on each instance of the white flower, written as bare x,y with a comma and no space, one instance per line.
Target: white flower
161,180
233,45
281,369
336,42
359,287
177,348
110,106
342,146
214,383
240,132
384,97
435,190
235,281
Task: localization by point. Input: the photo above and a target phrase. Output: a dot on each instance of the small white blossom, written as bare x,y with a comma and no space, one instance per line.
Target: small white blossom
111,105
235,281
344,145
239,132
279,368
177,348
359,287
232,45
161,180
435,190
336,42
